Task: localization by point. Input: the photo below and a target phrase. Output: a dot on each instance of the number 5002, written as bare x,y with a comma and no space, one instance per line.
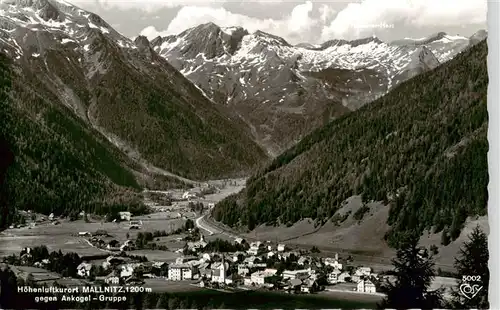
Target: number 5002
471,278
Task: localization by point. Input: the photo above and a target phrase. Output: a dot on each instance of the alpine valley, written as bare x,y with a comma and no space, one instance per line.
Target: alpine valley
89,113
93,117
283,91
414,160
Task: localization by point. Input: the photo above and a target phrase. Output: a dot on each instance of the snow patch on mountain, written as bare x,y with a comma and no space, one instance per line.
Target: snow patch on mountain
268,78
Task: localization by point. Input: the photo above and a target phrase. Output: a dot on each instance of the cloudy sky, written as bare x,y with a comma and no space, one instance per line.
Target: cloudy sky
296,21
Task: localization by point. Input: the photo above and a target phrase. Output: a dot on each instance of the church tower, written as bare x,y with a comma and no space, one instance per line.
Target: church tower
223,270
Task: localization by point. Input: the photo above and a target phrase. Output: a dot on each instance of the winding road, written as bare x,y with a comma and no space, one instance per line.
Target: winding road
200,224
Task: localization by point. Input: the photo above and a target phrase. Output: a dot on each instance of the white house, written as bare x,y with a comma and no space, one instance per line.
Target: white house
333,262
342,278
296,274
112,280
110,260
243,270
83,269
219,271
206,257
361,273
200,244
302,260
51,217
281,248
333,277
256,244
158,264
250,260
286,255
238,240
135,222
127,270
255,248
259,277
308,286
178,272
189,273
125,215
366,286
188,195
113,245
125,247
175,272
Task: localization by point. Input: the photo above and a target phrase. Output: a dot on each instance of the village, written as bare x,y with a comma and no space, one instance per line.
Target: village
219,264
261,265
189,257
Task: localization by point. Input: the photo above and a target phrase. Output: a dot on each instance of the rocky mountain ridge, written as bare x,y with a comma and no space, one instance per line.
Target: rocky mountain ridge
284,91
124,89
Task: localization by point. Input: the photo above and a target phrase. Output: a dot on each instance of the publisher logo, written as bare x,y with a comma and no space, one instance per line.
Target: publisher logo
470,291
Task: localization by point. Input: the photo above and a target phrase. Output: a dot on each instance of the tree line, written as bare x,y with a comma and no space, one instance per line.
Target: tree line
422,149
414,271
57,163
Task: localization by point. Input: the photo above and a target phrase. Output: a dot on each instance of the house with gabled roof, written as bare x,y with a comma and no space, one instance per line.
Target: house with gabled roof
366,286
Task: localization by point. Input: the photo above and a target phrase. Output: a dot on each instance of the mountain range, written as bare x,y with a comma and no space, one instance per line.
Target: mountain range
275,91
124,90
421,150
94,116
284,91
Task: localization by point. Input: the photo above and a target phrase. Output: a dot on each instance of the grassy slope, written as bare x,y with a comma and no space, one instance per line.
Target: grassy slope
60,163
425,140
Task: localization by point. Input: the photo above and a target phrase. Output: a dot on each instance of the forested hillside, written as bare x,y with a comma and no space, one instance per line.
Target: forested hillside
171,124
60,164
422,149
121,89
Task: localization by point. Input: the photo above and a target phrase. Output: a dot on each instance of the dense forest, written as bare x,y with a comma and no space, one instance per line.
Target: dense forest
59,164
422,149
172,125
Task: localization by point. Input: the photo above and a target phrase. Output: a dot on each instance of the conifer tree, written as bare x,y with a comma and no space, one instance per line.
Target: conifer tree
472,265
414,272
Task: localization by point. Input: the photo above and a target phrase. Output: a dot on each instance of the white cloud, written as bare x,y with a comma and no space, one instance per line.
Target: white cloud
300,17
297,24
140,4
326,13
362,19
150,32
152,5
355,20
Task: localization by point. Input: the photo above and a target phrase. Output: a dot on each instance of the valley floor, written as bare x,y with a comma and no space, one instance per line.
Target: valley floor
363,240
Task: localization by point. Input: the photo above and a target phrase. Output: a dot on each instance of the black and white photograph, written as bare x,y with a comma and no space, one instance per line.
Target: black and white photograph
263,154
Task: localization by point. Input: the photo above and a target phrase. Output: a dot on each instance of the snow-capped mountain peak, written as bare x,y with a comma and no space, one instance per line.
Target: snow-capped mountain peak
437,38
256,72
